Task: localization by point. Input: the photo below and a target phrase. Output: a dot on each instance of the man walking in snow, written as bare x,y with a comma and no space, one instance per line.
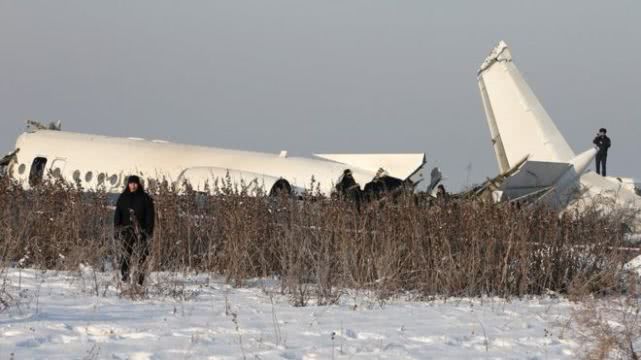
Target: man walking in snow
602,143
133,226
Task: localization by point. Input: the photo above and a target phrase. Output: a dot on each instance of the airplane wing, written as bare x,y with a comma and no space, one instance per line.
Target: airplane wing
400,166
519,125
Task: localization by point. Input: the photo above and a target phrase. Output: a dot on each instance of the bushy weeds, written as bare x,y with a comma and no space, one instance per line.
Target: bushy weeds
318,247
610,329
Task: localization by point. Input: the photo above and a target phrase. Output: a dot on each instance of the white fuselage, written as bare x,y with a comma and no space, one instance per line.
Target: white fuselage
96,161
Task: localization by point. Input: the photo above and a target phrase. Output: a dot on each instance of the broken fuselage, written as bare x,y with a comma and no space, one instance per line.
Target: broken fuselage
535,160
101,162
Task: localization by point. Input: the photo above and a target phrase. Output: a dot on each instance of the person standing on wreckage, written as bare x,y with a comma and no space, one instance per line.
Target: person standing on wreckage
133,226
602,143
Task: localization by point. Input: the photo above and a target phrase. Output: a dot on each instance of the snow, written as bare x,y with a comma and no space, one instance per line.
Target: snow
57,315
634,265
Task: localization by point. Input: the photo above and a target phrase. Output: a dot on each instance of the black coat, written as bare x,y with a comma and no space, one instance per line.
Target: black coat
603,143
143,207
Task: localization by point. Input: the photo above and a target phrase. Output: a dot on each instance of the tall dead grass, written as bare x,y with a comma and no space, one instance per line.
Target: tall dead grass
610,328
317,246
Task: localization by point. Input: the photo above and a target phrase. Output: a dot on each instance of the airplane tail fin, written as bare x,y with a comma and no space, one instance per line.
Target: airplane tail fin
519,125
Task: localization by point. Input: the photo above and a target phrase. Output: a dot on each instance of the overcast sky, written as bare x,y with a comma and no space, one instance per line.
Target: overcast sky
322,76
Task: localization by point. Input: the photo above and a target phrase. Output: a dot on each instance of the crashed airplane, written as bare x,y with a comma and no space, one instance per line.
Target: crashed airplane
45,153
535,160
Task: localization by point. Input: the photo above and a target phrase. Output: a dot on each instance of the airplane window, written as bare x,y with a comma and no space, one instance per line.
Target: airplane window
37,170
21,169
113,180
101,178
88,176
76,175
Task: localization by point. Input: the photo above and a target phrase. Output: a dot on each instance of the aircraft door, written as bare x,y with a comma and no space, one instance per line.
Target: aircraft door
37,170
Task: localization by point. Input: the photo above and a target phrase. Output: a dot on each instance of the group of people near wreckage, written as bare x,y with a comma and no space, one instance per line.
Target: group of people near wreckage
134,218
134,215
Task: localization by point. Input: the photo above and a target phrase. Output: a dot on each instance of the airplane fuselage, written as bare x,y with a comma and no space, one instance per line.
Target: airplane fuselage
102,162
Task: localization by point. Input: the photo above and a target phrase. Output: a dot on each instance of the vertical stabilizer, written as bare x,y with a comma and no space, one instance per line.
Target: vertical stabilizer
519,125
497,143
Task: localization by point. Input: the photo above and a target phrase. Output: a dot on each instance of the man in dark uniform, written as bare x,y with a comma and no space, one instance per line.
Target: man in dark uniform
134,225
602,143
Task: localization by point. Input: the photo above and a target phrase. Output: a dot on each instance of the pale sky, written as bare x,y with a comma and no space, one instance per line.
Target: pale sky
321,76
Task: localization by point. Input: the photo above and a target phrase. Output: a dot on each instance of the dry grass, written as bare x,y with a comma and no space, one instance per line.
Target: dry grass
610,328
317,246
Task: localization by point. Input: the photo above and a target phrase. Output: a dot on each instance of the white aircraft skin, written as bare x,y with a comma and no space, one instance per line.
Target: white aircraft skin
521,129
104,162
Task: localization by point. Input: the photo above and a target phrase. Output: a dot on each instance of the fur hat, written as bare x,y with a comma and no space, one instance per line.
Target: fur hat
133,179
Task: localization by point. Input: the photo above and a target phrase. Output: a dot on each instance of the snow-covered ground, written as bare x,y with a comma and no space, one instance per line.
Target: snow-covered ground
59,316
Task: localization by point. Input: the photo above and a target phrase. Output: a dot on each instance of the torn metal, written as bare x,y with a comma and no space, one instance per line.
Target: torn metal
33,125
500,53
7,161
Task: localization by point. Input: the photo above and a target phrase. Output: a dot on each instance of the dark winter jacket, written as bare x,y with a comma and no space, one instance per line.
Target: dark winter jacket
603,143
346,184
143,208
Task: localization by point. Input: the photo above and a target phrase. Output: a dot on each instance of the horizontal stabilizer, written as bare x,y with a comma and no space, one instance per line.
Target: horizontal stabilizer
536,174
533,176
400,166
